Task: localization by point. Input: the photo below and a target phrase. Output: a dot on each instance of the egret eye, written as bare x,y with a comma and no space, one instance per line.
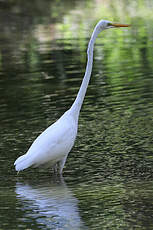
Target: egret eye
109,24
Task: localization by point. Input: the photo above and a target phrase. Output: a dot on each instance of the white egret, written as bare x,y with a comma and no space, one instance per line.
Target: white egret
53,145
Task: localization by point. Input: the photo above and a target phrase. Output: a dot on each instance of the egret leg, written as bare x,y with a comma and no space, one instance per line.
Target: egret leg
55,168
61,165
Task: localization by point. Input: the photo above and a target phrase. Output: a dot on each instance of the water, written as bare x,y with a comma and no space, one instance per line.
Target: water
107,181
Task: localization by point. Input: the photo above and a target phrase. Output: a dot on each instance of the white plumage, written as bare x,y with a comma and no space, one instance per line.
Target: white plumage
51,146
54,144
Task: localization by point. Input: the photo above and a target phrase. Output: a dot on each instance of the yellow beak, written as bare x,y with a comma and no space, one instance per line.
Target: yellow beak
120,25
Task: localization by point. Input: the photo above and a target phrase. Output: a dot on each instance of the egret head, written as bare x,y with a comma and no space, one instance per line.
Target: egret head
104,24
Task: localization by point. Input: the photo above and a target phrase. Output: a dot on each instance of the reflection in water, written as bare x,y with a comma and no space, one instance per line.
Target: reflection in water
52,205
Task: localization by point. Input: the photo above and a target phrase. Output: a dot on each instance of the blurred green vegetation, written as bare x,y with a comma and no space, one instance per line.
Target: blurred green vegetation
25,26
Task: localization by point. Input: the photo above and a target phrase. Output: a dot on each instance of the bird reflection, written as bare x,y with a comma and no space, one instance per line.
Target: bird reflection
52,205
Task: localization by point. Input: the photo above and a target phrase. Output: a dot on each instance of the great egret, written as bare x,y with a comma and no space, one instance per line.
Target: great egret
53,145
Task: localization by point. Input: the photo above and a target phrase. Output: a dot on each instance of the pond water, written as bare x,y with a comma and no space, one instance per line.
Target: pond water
107,181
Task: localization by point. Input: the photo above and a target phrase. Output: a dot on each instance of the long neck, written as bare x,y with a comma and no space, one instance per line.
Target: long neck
76,106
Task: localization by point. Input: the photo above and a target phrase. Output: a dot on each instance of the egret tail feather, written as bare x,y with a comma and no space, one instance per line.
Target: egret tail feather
22,163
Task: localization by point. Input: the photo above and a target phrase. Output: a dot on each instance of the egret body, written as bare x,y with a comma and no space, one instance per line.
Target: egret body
53,145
